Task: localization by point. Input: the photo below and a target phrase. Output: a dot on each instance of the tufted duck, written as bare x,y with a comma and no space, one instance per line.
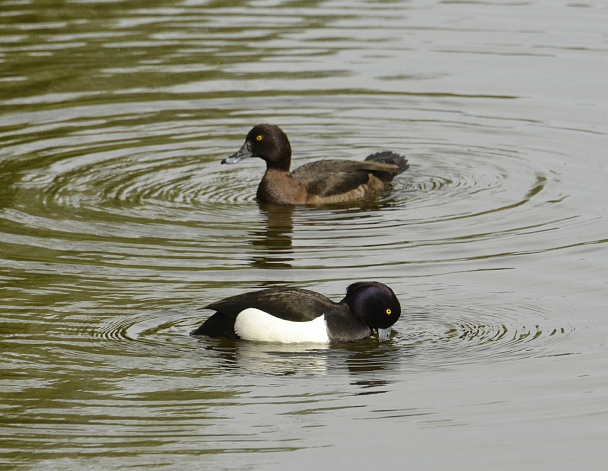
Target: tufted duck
324,181
288,315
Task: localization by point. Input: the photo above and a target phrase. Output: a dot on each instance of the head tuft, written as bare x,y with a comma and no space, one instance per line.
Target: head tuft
373,303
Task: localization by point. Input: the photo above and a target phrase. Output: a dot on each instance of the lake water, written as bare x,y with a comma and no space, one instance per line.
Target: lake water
117,222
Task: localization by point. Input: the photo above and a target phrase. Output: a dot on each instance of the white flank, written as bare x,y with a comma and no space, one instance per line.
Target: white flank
253,324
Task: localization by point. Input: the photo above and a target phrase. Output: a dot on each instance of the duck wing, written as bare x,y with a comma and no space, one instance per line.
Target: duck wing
333,177
290,304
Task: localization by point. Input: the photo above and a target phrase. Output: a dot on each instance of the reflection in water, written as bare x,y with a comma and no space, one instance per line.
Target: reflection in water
114,117
280,359
373,356
8,175
370,361
273,242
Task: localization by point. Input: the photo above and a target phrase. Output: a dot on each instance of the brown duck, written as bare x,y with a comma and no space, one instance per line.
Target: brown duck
321,182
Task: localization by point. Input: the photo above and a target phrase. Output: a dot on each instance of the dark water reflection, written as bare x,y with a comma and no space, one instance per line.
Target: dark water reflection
117,222
274,241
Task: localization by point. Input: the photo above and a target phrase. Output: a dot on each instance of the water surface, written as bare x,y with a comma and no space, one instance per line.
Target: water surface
118,222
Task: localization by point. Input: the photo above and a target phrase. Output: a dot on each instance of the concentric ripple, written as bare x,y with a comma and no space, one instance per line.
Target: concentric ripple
454,337
118,222
172,215
446,338
144,186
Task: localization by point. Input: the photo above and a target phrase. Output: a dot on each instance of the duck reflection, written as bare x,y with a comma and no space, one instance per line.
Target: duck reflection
370,363
274,241
8,177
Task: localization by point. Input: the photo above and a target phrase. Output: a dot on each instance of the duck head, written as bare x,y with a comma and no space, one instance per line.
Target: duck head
268,142
375,304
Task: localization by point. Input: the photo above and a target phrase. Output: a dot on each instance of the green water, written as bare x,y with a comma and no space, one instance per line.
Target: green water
117,222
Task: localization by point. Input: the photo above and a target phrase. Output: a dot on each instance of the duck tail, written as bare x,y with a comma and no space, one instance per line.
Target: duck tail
388,157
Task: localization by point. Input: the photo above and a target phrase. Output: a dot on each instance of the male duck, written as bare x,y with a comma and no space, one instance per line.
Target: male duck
321,182
288,315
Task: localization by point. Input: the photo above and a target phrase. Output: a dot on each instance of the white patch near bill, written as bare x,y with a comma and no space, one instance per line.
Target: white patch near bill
253,324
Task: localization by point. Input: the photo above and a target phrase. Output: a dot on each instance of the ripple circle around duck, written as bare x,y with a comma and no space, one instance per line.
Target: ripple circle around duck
192,218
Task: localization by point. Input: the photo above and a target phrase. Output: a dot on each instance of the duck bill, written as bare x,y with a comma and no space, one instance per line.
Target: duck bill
384,334
243,153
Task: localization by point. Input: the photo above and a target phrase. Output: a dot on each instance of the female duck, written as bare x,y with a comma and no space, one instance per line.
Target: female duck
288,315
321,182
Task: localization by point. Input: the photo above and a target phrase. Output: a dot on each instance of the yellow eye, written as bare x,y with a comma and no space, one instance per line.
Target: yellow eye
258,138
388,312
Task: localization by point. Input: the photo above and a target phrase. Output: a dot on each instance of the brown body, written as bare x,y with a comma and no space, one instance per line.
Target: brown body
321,182
281,187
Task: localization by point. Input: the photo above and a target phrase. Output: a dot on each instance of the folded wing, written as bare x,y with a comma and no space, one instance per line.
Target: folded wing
296,305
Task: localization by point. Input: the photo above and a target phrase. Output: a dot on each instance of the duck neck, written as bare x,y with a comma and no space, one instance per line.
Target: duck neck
282,165
279,158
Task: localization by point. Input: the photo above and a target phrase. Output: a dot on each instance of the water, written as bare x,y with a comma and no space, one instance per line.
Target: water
118,222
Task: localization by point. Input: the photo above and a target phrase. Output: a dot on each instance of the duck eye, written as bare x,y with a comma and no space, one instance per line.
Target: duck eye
388,312
258,138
